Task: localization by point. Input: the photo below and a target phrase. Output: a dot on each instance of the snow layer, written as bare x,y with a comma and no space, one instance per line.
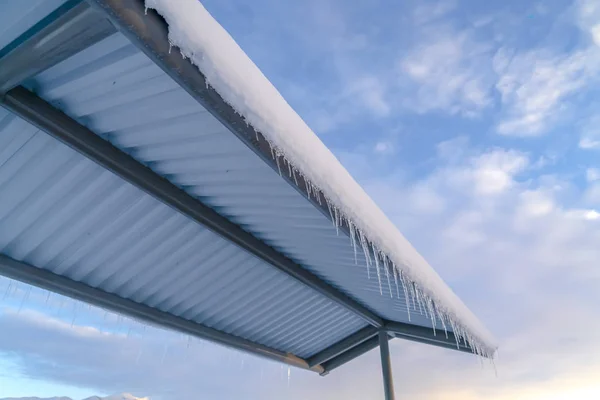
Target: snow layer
241,84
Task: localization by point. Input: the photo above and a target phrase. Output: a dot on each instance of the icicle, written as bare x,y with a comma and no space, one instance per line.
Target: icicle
387,273
294,175
333,219
171,47
289,375
441,318
395,280
406,299
353,241
337,223
277,161
48,296
164,353
364,245
418,297
74,315
456,335
432,315
146,10
139,356
7,290
25,297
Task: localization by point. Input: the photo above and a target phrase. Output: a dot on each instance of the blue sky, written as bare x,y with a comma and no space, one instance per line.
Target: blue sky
475,127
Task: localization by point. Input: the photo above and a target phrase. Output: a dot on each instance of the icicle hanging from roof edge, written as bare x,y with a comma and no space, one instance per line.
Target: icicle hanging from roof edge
8,289
387,272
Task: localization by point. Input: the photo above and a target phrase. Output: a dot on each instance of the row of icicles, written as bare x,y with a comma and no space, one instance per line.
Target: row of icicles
414,296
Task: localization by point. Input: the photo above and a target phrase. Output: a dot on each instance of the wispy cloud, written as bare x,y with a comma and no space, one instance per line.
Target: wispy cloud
590,134
447,70
536,85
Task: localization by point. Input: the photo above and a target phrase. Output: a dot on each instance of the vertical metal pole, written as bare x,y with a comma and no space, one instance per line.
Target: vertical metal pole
386,365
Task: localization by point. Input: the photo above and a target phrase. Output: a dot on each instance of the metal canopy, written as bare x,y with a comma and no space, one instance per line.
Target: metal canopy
69,31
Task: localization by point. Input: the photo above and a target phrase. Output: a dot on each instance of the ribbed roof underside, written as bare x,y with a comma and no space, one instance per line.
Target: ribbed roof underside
61,212
118,93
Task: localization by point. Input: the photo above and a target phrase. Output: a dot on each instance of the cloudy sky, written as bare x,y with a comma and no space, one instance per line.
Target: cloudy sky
475,126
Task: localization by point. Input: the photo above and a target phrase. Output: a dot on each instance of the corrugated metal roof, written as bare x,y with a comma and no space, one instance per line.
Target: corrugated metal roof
18,17
117,92
61,212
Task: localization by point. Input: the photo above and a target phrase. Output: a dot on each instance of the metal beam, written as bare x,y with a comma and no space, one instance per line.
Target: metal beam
364,340
350,355
76,290
44,116
425,335
386,366
343,345
461,347
71,28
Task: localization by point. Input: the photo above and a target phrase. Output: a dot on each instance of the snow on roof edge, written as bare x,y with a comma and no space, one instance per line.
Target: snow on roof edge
243,86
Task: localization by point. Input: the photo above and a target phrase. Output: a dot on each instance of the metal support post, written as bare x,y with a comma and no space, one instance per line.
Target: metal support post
386,366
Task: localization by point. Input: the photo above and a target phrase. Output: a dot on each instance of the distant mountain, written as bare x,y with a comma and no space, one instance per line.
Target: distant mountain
122,396
36,398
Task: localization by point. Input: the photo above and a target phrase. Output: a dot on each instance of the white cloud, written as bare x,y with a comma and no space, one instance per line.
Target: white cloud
384,147
486,173
592,194
425,200
595,31
370,91
589,215
536,86
449,71
494,171
535,203
467,226
590,134
428,11
592,174
588,143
